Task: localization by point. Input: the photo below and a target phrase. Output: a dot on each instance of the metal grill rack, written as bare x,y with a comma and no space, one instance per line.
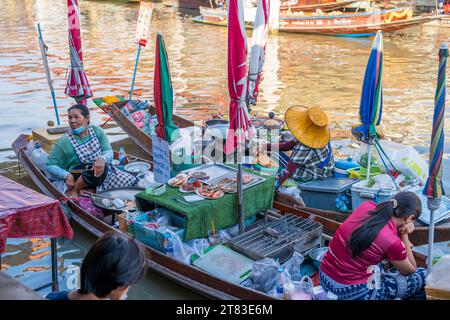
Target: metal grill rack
278,239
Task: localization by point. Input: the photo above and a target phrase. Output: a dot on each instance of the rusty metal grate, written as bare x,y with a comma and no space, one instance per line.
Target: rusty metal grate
279,238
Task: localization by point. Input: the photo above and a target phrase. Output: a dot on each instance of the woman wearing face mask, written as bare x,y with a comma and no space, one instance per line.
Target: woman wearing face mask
81,158
371,234
113,264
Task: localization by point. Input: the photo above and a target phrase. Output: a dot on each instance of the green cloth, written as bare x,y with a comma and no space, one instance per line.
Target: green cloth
63,153
223,212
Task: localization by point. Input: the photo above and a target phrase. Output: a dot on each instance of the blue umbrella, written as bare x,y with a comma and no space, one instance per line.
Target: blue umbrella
371,105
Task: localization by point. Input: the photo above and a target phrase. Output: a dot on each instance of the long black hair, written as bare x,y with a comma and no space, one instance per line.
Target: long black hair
113,261
402,205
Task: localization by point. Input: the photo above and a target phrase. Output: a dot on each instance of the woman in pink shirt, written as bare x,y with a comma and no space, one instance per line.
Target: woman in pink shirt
371,234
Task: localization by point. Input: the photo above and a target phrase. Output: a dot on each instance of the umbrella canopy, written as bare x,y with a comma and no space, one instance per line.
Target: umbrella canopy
433,187
163,93
77,83
240,125
372,96
258,50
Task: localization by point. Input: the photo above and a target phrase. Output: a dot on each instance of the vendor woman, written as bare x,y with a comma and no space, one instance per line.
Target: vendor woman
371,234
82,157
312,157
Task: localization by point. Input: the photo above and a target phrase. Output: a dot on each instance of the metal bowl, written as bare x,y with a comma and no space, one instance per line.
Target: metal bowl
137,167
214,122
316,255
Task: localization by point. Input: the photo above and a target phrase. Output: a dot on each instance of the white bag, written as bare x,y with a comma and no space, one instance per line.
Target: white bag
439,278
406,159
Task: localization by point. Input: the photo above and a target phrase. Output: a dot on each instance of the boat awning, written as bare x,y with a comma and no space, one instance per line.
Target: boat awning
25,213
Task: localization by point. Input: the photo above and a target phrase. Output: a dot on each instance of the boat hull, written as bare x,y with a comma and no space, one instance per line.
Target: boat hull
312,5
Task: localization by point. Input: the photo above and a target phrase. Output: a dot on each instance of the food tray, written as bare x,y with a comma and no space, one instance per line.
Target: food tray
217,172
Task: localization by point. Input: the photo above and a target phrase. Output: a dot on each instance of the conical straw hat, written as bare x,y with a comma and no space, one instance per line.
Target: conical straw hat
308,125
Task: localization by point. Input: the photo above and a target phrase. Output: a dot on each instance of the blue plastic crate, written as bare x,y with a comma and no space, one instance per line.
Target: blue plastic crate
155,237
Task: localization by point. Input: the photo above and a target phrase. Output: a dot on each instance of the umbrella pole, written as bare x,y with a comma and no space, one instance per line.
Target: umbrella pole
433,205
135,71
47,72
369,160
240,199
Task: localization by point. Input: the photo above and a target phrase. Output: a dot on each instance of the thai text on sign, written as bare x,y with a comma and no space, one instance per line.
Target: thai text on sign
161,160
143,23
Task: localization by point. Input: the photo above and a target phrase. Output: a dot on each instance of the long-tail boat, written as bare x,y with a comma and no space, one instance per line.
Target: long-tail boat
313,5
342,24
184,274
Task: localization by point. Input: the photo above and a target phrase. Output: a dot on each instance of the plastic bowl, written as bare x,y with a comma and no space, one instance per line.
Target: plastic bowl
316,255
137,167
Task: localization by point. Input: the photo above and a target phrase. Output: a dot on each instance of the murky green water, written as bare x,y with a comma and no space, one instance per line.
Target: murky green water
306,70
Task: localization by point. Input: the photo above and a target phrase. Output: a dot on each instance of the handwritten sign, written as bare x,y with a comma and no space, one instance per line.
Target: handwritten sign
143,23
161,160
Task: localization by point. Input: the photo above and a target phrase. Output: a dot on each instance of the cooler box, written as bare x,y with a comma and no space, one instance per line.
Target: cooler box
322,194
361,193
341,167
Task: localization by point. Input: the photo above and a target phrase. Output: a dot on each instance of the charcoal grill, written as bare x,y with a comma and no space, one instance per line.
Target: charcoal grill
278,238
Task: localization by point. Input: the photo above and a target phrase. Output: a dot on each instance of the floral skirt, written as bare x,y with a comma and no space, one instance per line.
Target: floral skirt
393,286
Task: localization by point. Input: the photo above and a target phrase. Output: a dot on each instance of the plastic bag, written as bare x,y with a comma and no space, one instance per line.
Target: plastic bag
139,117
292,266
439,278
361,155
406,159
181,251
198,246
303,289
264,274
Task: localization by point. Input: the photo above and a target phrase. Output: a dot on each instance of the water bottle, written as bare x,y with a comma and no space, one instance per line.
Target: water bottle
122,156
30,145
39,157
280,281
168,244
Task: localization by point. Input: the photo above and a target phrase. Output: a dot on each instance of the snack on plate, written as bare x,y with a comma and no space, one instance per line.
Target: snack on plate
230,187
190,185
199,175
265,161
210,192
178,180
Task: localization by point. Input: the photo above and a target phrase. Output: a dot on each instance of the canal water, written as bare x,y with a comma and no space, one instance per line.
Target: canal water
299,70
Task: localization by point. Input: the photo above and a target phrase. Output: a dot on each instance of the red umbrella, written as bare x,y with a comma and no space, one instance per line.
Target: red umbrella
240,124
77,83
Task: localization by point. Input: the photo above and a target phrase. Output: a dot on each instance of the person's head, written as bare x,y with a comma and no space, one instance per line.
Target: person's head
308,125
112,265
78,118
403,208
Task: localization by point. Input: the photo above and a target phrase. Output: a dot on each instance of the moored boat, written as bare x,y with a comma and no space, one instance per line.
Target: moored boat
361,24
313,5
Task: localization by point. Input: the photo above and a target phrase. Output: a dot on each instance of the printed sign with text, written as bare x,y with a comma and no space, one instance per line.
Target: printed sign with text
161,160
143,23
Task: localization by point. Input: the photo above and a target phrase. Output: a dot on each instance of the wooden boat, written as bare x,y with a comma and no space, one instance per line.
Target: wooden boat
138,136
313,5
187,275
333,24
192,4
144,142
351,24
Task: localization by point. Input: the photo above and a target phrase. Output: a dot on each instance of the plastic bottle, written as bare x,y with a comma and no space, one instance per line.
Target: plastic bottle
39,157
122,156
280,281
30,145
168,244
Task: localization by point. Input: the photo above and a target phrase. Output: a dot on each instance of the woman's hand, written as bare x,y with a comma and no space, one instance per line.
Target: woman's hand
407,228
99,167
70,181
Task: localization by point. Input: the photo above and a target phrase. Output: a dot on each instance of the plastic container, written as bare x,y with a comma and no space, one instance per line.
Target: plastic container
39,157
155,238
322,194
122,156
341,168
361,193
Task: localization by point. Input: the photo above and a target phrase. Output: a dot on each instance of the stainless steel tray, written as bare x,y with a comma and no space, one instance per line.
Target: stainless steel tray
217,172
